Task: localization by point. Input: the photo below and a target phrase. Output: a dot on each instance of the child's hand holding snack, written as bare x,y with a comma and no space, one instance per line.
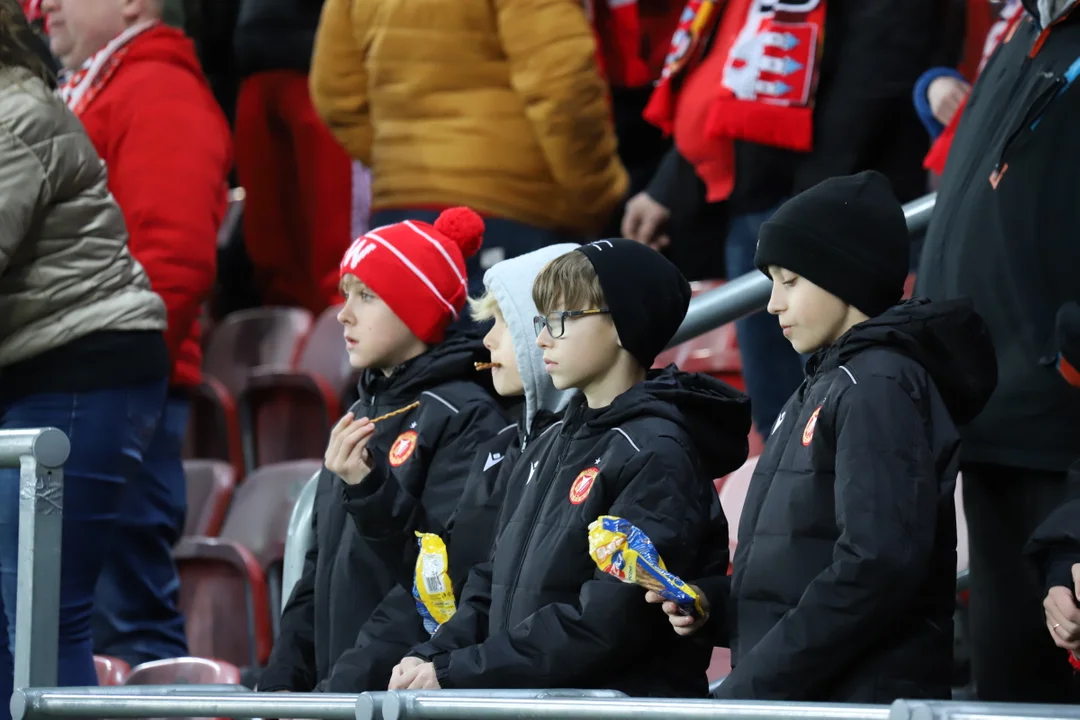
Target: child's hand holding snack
347,455
683,623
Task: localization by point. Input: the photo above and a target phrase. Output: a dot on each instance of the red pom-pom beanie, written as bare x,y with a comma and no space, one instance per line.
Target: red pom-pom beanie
419,269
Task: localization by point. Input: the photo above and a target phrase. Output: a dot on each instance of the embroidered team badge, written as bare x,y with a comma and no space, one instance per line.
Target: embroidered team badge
583,485
403,448
808,431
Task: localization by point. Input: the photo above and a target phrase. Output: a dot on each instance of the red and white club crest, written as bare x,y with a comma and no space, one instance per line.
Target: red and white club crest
583,485
403,448
808,431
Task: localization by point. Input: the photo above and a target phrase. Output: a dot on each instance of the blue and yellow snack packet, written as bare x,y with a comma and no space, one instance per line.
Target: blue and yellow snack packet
623,551
432,589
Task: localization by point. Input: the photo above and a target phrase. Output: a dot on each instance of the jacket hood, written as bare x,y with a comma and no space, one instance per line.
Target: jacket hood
1048,11
454,359
510,282
948,338
714,414
162,43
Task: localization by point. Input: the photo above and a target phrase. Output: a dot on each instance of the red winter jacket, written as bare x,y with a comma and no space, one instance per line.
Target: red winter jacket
168,150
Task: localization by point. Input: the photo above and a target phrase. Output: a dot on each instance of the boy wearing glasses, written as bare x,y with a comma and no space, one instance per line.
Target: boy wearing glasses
644,446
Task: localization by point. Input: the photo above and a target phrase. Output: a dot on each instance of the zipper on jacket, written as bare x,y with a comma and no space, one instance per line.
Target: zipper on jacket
1031,119
512,590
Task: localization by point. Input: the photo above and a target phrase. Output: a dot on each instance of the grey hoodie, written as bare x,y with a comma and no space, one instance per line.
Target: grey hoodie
510,282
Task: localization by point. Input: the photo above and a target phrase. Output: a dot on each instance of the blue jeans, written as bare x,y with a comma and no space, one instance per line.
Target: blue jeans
503,239
109,432
136,617
770,366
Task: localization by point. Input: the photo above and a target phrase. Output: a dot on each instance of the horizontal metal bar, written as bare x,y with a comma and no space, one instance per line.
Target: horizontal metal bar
48,446
443,707
944,710
372,705
749,293
57,702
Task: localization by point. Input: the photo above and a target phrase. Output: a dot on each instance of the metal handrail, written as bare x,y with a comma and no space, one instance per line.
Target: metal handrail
39,455
748,294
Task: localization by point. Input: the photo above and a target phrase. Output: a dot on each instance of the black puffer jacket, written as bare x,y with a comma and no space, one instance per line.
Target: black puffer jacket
388,519
275,35
541,614
429,451
845,570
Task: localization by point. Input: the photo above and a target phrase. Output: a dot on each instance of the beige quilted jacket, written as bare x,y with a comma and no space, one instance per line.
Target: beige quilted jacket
65,270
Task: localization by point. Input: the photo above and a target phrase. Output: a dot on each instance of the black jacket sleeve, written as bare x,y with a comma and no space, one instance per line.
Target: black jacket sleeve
1055,546
388,635
292,662
563,642
677,186
469,624
876,50
886,503
389,508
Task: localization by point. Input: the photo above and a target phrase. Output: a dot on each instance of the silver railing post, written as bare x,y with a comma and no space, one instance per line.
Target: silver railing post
950,710
749,293
40,456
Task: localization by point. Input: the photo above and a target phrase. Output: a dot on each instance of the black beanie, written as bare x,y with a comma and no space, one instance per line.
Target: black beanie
646,293
847,235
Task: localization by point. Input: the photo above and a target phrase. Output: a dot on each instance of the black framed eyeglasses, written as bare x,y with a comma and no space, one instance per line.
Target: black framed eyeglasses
555,322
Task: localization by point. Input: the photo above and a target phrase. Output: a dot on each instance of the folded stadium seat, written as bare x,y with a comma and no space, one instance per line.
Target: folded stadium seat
210,485
715,352
733,495
720,665
286,414
111,671
223,596
241,342
213,431
186,671
259,519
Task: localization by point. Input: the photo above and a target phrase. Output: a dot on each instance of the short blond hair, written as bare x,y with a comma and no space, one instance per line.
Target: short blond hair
484,307
569,280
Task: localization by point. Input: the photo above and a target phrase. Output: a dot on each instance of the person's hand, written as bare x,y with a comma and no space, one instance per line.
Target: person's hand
412,673
946,94
645,221
1062,615
347,455
684,625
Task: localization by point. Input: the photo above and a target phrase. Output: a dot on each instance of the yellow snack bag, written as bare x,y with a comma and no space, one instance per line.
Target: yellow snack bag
432,589
623,551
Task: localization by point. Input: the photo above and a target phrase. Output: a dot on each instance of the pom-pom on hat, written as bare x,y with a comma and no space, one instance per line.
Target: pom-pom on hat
419,269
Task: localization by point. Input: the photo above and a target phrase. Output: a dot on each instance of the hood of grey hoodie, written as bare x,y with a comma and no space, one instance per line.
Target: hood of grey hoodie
510,282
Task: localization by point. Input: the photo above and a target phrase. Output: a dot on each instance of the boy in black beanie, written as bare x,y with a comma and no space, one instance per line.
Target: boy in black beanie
844,577
644,446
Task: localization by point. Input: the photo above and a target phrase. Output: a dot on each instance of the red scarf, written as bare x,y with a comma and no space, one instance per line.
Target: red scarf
1001,31
81,87
617,27
765,92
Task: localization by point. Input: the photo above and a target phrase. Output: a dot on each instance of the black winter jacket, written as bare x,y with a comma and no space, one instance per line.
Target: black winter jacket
1004,233
275,35
429,450
845,571
1055,546
540,614
388,519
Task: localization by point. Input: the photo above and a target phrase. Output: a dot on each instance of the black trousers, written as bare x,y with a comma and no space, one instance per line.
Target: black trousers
1013,657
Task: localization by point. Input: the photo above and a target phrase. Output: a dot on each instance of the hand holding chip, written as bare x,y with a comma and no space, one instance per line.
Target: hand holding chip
684,621
347,455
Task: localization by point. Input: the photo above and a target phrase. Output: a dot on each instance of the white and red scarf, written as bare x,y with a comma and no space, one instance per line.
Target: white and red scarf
81,87
766,94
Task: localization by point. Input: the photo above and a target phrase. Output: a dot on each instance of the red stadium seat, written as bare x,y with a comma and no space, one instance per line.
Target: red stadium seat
210,485
111,671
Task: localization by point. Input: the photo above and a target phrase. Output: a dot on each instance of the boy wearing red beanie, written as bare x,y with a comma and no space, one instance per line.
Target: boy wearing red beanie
417,425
